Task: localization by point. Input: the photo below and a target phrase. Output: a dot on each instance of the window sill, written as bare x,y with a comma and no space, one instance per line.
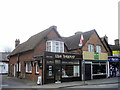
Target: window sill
28,72
19,71
36,73
99,74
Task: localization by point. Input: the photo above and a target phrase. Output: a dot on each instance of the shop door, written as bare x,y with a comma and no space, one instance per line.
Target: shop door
87,71
57,71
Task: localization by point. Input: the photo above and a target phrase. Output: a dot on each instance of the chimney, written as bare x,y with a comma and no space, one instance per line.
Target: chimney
79,32
116,42
17,42
53,27
106,38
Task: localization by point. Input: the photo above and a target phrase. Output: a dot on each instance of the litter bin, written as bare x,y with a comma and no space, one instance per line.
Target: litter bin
39,81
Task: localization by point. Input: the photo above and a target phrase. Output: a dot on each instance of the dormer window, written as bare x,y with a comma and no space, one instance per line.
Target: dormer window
55,46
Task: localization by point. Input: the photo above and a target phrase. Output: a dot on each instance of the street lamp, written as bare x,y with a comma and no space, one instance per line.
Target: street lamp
84,71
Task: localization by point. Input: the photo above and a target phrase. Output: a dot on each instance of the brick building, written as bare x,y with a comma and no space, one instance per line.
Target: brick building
59,59
114,59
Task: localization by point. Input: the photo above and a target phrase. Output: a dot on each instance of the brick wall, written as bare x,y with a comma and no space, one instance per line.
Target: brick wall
28,56
96,41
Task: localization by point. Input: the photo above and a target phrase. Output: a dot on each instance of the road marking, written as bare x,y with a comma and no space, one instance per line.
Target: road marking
3,85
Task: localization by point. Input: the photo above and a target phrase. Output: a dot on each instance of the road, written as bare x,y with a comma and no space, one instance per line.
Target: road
12,82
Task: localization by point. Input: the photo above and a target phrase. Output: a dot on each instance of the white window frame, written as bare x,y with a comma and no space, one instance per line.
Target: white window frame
19,67
27,70
55,46
98,48
90,47
37,68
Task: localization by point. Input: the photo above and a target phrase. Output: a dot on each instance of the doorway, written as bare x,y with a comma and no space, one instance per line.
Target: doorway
15,70
57,71
87,71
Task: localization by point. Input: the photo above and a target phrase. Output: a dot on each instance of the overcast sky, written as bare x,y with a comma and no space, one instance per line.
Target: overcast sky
20,19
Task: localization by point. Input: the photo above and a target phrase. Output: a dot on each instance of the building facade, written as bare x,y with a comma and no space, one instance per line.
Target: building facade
114,60
4,62
94,54
58,59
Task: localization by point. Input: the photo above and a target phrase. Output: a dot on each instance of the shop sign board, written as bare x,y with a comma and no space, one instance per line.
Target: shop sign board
51,55
96,55
116,53
113,59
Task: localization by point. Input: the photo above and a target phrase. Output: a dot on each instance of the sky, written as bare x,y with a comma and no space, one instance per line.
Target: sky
20,19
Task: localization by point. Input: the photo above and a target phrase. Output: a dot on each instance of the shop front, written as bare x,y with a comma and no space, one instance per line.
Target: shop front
114,66
96,65
61,67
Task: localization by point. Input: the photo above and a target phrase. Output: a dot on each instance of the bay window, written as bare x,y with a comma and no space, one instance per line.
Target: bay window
55,46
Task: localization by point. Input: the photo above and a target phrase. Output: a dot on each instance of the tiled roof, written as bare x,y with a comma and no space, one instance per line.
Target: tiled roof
72,42
114,47
32,42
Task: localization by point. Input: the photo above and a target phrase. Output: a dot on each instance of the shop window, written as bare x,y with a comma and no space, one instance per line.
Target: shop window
90,47
70,71
50,72
37,68
55,46
99,69
98,48
70,68
28,67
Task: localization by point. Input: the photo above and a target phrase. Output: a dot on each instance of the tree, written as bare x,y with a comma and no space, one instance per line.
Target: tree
7,49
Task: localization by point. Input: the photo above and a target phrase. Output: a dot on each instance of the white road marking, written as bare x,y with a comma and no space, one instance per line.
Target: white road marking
4,85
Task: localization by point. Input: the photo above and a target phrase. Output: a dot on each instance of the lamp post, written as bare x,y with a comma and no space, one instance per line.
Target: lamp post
84,71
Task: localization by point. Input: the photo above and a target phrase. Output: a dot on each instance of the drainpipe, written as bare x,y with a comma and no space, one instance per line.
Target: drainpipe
18,64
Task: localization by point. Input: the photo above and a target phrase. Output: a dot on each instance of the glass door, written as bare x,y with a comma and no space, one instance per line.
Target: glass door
57,71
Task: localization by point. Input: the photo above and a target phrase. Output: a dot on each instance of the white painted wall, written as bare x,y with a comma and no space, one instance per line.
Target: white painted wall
3,68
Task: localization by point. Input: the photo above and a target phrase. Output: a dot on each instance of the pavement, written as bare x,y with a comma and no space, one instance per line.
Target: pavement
24,83
81,83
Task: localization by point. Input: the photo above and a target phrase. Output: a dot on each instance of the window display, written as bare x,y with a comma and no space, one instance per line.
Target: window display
70,71
99,69
70,68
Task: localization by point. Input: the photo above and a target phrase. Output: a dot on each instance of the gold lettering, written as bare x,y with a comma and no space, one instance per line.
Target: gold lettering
58,56
69,56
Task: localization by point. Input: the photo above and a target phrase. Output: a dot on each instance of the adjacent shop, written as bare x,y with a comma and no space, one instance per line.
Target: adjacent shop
96,65
60,67
114,66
